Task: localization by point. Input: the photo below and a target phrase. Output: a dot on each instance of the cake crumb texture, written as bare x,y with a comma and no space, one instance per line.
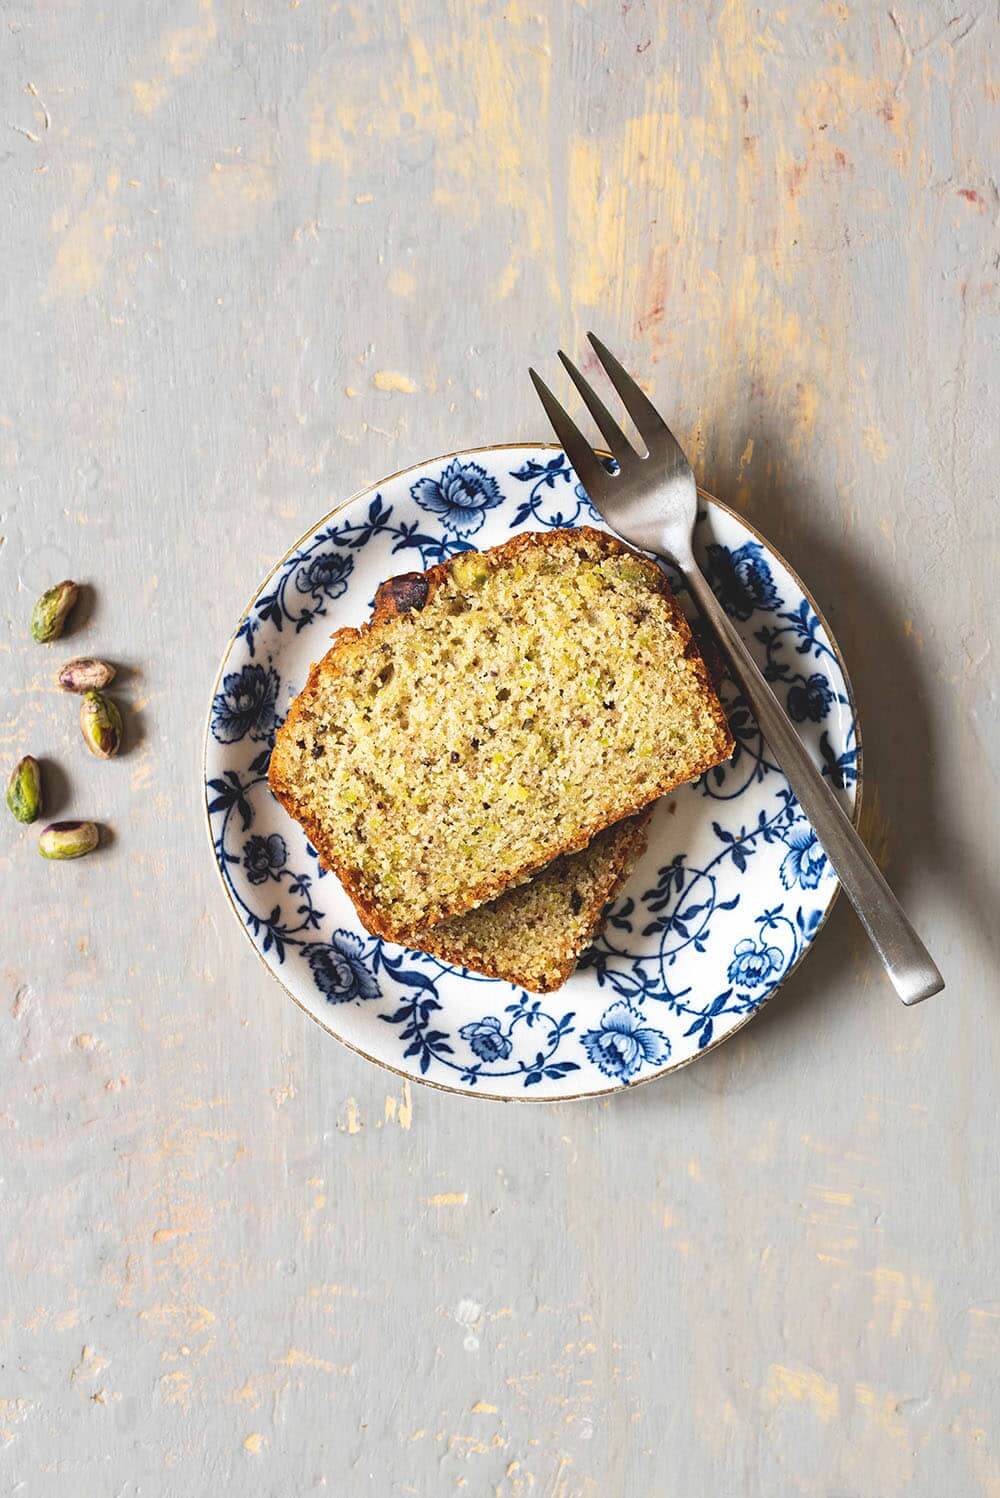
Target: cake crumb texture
533,935
498,711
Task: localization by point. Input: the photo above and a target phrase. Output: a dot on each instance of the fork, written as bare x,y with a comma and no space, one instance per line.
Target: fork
652,503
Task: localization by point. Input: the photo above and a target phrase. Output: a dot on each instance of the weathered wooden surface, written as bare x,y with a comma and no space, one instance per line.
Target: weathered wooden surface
254,257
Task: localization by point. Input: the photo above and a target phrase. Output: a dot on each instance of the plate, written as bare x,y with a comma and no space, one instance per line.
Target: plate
729,897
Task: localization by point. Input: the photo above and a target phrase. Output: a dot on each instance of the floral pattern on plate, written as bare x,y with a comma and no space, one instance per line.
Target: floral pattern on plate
728,897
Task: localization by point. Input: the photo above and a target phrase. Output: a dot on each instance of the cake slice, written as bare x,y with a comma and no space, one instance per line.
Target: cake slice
507,707
533,935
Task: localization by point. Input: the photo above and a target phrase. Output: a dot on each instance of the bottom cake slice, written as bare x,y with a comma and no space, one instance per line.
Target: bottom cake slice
533,935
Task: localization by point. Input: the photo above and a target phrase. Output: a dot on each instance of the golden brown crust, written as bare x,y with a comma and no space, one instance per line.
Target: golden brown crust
379,921
629,855
400,595
622,857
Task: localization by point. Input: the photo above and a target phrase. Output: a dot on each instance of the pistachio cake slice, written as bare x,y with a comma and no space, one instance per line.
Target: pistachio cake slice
533,934
504,709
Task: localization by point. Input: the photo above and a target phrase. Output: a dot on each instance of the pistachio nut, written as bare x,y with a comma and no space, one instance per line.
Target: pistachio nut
24,790
101,725
470,569
49,614
85,674
68,839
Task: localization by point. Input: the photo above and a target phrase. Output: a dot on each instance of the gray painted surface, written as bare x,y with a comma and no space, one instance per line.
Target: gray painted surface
256,256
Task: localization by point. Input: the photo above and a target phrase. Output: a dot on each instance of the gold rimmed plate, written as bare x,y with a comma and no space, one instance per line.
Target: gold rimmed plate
730,895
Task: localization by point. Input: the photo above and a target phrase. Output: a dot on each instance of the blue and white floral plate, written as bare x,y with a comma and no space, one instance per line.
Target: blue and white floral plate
728,898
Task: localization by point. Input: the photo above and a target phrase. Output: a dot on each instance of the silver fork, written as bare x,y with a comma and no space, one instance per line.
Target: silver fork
652,502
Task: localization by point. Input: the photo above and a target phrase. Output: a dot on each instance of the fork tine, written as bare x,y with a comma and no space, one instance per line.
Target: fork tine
588,467
649,423
609,428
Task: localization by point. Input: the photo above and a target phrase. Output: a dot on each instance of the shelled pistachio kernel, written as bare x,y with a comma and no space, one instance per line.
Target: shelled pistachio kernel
470,569
68,839
49,614
24,790
85,674
101,725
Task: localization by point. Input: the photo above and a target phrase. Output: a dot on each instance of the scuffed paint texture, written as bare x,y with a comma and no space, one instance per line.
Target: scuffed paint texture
255,257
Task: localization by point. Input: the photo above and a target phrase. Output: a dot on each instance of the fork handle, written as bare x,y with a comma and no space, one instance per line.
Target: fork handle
907,961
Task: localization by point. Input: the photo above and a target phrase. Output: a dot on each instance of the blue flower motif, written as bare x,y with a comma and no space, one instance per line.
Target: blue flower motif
486,1038
805,860
246,705
623,1042
339,969
752,965
810,699
263,857
326,575
742,578
461,496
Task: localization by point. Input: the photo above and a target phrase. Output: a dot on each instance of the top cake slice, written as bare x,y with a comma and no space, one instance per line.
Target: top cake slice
508,707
